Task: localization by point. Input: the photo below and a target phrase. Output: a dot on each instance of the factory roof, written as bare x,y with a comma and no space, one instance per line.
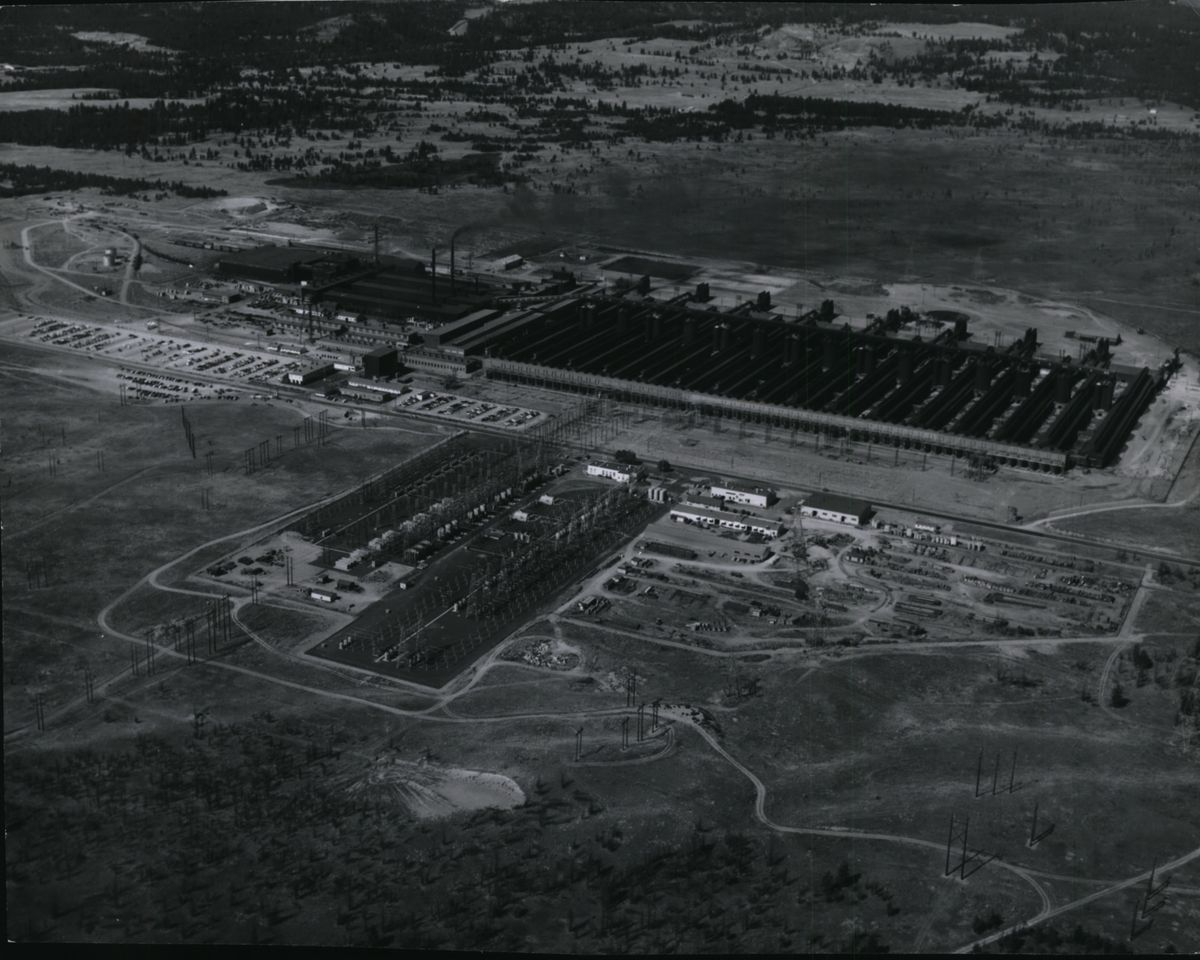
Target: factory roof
281,258
727,516
835,503
742,487
611,465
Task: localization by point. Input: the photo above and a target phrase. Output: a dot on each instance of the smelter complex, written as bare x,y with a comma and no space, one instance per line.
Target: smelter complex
943,394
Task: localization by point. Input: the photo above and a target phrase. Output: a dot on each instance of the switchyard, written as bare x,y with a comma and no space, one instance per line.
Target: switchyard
1013,405
432,561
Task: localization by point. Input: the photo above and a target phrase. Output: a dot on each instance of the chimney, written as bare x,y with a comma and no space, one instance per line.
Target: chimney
689,331
1062,386
1024,378
983,375
759,342
945,370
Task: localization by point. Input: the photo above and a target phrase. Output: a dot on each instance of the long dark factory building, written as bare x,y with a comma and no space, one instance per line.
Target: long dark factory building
942,394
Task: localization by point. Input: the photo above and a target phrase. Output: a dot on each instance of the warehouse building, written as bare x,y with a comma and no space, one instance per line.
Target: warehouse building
613,471
381,362
309,374
725,520
439,362
830,506
363,396
284,264
390,389
702,500
751,496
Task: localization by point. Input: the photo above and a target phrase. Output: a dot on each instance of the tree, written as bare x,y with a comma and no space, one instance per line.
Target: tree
827,311
1119,699
626,456
664,466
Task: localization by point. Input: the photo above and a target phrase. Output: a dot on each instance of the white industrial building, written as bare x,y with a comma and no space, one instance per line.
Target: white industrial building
831,506
751,496
725,520
613,471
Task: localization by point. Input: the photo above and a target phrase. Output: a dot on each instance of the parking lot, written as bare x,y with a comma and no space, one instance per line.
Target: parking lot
465,409
168,355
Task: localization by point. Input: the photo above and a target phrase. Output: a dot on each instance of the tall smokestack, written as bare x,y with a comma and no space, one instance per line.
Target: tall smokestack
452,264
433,275
376,244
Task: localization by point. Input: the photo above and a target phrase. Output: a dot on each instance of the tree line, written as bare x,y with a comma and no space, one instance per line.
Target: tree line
19,181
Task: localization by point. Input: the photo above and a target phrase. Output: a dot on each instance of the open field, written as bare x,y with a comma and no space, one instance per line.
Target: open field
1173,530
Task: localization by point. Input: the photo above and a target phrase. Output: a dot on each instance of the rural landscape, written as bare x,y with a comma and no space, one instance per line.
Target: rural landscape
581,477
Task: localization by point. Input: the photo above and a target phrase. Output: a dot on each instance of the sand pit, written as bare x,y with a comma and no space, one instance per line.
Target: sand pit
243,206
432,792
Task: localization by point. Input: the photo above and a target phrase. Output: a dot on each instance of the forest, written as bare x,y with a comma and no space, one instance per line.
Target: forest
20,181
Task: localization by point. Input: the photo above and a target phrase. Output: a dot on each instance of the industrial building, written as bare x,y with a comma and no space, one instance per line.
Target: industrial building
830,506
361,395
703,500
744,493
391,390
310,374
1010,405
445,363
381,362
725,520
613,471
286,264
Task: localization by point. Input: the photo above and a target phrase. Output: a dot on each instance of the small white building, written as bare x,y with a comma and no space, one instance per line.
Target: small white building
325,596
751,496
613,471
831,506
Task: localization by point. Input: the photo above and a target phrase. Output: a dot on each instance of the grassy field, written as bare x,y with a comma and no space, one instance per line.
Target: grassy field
1170,530
98,526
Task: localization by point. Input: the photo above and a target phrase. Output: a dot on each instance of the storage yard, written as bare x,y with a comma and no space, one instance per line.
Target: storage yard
820,584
